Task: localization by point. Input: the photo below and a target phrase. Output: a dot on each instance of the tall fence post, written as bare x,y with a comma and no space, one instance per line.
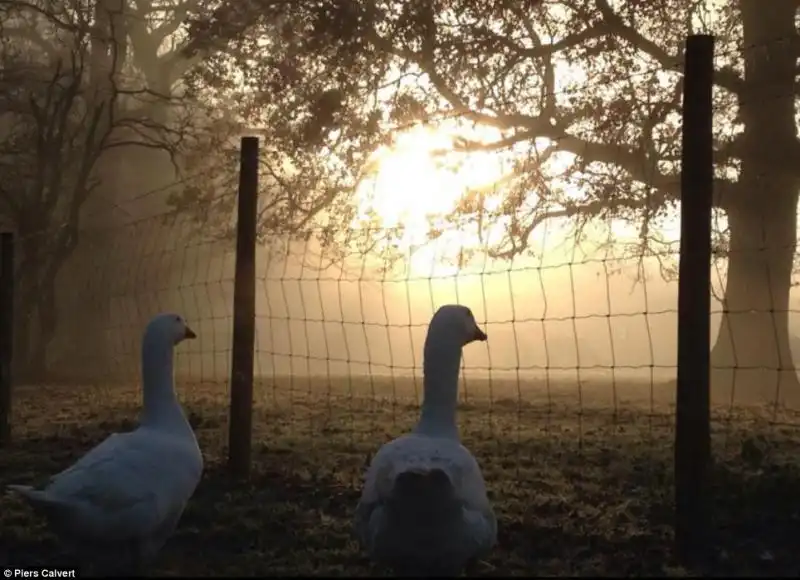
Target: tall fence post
240,431
693,420
6,333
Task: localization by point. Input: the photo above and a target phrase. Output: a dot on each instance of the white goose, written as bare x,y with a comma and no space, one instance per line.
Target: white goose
120,502
424,508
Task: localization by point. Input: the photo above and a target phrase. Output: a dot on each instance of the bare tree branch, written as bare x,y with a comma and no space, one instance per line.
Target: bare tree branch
725,77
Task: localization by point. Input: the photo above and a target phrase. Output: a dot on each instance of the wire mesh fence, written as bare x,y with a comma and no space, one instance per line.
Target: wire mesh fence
570,403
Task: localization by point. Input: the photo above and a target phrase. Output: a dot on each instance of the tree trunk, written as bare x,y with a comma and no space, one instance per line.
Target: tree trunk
751,356
31,336
752,359
109,56
22,337
42,255
47,319
31,253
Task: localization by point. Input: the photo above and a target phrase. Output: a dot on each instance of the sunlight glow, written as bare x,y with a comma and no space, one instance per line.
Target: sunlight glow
416,183
420,180
413,188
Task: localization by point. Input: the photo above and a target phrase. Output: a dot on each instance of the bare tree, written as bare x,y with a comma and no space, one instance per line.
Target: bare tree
61,113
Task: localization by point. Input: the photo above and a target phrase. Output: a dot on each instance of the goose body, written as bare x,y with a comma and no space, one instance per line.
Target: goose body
119,503
424,509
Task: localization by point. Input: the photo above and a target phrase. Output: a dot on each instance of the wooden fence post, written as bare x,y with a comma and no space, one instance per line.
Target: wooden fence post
240,431
6,333
693,421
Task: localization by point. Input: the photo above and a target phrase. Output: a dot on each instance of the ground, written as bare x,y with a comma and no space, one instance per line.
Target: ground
576,493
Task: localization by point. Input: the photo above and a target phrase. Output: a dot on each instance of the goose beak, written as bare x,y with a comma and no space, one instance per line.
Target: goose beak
479,335
189,333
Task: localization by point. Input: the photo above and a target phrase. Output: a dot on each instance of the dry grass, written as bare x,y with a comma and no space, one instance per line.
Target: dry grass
576,493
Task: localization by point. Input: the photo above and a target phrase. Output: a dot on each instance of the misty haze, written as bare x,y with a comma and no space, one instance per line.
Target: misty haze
573,312
467,221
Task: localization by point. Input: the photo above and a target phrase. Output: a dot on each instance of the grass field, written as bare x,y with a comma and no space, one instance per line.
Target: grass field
585,493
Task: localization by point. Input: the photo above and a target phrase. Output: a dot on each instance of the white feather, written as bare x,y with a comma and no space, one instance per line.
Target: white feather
122,500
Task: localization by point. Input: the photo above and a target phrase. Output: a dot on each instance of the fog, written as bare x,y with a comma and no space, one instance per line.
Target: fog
553,314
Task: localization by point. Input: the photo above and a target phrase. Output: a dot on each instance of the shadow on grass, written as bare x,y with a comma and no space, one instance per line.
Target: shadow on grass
598,504
757,519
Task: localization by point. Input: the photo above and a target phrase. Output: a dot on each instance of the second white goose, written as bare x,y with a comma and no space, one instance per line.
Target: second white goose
424,508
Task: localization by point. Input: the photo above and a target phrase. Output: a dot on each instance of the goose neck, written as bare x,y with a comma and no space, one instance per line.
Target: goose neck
441,366
160,402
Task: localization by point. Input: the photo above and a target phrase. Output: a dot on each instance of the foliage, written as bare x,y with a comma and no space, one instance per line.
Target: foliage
313,104
579,95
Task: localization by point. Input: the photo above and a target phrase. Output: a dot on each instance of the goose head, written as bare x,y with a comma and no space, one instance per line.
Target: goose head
168,328
455,324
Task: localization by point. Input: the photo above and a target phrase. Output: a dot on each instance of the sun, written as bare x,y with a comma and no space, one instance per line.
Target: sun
415,184
417,181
